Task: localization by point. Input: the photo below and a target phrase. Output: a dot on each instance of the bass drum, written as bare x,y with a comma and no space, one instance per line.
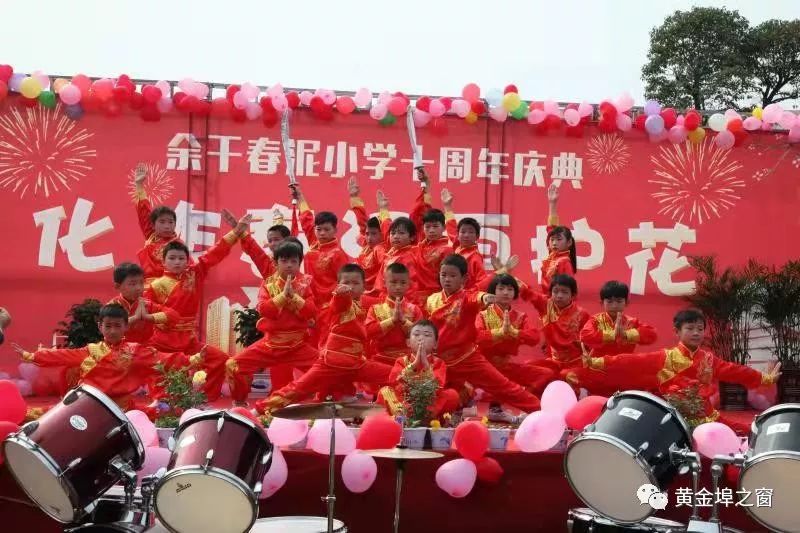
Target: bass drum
296,524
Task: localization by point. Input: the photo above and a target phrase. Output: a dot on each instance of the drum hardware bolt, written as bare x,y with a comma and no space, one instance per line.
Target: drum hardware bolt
258,488
209,457
114,431
171,444
220,423
266,458
72,464
611,402
667,418
70,397
30,427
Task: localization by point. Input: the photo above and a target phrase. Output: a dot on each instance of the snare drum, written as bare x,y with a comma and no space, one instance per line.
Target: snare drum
214,474
62,460
296,524
773,462
627,447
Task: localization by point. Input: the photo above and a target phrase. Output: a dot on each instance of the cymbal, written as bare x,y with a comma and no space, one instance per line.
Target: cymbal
316,411
403,453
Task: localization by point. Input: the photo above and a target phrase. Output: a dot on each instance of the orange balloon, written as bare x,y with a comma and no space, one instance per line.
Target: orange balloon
696,136
59,83
471,118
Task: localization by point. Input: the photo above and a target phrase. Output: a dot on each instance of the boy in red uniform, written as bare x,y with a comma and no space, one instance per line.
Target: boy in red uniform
389,322
115,366
143,314
286,305
464,236
562,258
402,234
421,364
343,358
374,232
453,310
674,371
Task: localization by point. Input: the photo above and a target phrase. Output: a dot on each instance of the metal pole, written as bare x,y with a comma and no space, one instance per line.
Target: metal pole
331,498
401,466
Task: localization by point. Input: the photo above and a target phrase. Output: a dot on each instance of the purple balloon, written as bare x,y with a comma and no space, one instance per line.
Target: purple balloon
15,80
654,124
75,112
651,107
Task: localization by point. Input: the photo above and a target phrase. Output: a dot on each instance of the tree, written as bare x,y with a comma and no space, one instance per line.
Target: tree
695,59
771,60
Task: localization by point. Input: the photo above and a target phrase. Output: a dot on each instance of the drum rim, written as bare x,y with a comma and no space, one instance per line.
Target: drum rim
760,417
216,413
23,441
212,471
614,441
761,457
115,409
662,402
583,510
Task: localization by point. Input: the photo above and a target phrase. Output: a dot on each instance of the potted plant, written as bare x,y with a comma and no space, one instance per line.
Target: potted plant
79,329
778,311
419,392
180,394
442,432
727,299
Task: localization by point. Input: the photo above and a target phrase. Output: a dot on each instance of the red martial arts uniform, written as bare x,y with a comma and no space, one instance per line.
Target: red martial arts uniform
142,330
284,322
560,329
392,396
150,256
499,348
342,360
555,262
598,334
323,260
388,339
406,256
371,257
477,276
454,317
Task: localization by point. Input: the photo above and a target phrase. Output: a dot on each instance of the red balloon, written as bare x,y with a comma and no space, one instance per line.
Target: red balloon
3,90
735,125
345,105
150,113
238,115
124,79
379,432
553,122
438,127
692,120
447,102
12,404
201,108
324,112
177,98
585,412
398,106
489,470
122,94
536,105
220,107
6,429
293,99
269,117
187,103
137,100
739,137
670,117
639,122
29,102
608,109
316,103
5,73
231,91
424,104
247,413
511,88
607,125
471,440
478,107
151,93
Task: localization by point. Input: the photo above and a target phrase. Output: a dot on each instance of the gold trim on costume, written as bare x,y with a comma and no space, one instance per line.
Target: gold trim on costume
163,287
392,402
355,201
632,335
159,318
674,363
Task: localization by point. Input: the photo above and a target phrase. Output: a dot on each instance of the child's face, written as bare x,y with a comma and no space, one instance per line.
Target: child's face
562,296
164,226
504,294
131,288
325,232
559,243
288,266
400,237
467,236
451,278
374,236
396,284
433,230
691,334
113,329
175,261
355,281
274,238
422,336
614,305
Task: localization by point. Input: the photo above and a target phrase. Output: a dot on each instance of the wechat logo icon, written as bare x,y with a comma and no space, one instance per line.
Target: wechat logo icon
652,496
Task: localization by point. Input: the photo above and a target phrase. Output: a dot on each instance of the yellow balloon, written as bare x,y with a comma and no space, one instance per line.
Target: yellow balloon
59,83
511,101
697,136
471,118
757,112
30,87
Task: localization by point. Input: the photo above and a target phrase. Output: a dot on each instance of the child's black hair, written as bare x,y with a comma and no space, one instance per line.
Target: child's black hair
351,268
374,223
325,217
280,228
112,311
565,280
289,250
125,270
396,268
160,211
614,289
469,221
406,224
175,245
457,261
506,280
432,216
567,233
688,316
425,323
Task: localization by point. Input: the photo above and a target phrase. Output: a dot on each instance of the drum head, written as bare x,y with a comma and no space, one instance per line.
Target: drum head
296,524
40,481
205,502
606,477
780,473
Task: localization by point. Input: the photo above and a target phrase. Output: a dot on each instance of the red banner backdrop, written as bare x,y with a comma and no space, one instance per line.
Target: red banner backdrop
637,209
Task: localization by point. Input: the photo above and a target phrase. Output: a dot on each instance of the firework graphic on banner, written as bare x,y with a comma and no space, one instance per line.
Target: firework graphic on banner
42,151
608,154
158,184
787,151
695,182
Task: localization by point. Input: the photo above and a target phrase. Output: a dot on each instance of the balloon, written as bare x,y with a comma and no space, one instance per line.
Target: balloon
787,120
251,91
155,458
280,103
319,438
12,405
275,90
457,477
794,134
461,107
30,87
479,108
654,124
522,111
677,134
276,476
345,105
188,414
536,116
494,97
717,122
231,91
328,96
165,105
151,94
572,117
540,431
293,99
164,87
144,427
378,111
384,97
25,387
651,107
498,113
558,397
398,105
240,100
437,108
489,470
421,118
758,112
186,85
6,429
70,94
359,471
103,89
715,438
670,117
137,100
752,123
471,92
772,113
424,104
28,371
388,120
283,432
585,412
692,121
6,71
363,97
471,439
658,137
624,122
379,431
585,109
724,139
624,102
511,101
735,125
3,90
731,114
305,97
551,108
510,88
680,120
471,118
74,112
246,413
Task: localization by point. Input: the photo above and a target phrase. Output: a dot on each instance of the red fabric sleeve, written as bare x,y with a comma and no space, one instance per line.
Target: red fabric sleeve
528,333
422,203
263,262
591,335
143,210
451,227
439,369
213,256
307,223
734,373
647,333
341,303
172,315
60,357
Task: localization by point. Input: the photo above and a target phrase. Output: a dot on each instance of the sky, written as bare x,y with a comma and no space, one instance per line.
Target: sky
569,50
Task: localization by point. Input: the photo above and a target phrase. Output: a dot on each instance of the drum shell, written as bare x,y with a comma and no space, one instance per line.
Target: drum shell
776,429
111,514
587,521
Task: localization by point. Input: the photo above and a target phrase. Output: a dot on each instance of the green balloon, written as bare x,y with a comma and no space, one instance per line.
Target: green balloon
388,120
47,99
521,111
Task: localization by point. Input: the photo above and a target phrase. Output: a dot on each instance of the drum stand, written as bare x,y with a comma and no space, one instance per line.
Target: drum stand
128,479
685,458
330,499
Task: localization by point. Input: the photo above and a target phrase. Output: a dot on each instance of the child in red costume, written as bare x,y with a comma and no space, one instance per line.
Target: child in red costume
562,258
143,314
373,235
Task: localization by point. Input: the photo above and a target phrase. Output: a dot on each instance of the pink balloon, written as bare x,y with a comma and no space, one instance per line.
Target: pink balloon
624,122
200,90
103,89
328,96
794,134
677,134
758,401
536,116
345,105
164,105
165,88
276,476
772,113
558,397
461,107
24,387
226,390
471,93
724,139
186,85
155,458
70,94
787,120
363,97
752,124
378,111
319,438
540,431
398,106
283,432
28,371
253,111
385,97
680,120
421,118
249,90
240,100
731,114
42,78
457,477
277,89
715,438
551,108
660,136
305,97
279,102
765,126
437,108
572,117
12,405
358,471
144,427
499,114
187,414
585,109
624,102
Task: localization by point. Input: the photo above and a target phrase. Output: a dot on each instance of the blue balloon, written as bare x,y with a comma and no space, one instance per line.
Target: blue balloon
494,97
74,111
